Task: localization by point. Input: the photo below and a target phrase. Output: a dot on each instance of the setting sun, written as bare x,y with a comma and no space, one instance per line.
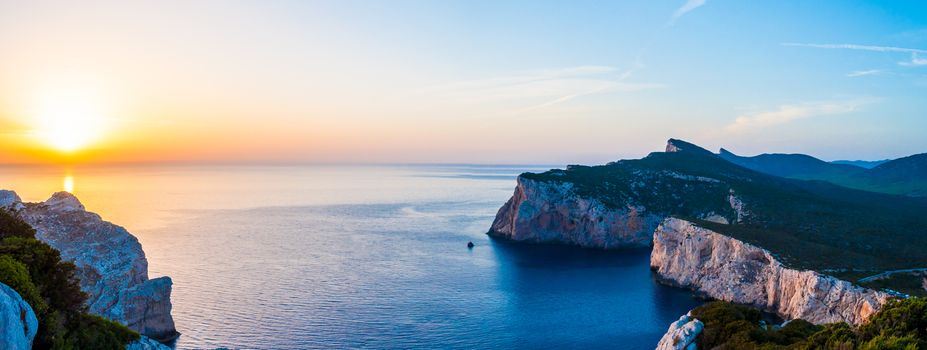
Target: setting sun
68,121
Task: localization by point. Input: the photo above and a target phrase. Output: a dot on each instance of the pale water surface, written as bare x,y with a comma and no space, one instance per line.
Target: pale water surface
299,257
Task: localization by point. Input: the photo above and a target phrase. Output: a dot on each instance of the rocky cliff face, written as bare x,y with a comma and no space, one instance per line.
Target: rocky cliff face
681,334
542,211
110,262
18,323
724,268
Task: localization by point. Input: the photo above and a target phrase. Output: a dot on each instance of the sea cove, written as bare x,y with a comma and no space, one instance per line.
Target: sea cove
366,257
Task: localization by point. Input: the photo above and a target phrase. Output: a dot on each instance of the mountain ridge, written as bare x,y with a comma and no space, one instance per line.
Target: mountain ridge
904,176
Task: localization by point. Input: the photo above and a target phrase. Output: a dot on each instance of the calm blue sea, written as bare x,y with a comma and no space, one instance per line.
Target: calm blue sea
369,257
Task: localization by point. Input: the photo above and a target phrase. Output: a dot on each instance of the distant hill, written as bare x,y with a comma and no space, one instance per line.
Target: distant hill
867,164
792,165
904,176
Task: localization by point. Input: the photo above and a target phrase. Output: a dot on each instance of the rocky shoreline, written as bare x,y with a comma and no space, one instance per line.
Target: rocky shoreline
545,209
111,265
684,255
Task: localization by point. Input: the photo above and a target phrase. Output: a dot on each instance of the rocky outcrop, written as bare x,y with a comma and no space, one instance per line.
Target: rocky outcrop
111,265
739,207
10,200
725,268
681,334
551,212
18,323
146,343
146,307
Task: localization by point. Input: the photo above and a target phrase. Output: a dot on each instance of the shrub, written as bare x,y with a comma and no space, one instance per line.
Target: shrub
95,332
882,342
15,275
899,325
902,324
838,336
54,278
11,226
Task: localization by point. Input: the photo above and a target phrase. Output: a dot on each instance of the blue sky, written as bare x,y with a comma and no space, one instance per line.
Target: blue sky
487,81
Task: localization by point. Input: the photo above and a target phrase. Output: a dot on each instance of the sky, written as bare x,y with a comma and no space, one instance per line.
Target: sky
500,82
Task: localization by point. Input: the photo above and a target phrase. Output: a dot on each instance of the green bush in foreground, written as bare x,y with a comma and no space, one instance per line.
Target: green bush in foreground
729,326
901,324
92,331
15,275
35,270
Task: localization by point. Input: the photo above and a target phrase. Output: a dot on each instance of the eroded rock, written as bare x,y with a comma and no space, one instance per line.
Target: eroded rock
18,323
682,334
552,212
725,268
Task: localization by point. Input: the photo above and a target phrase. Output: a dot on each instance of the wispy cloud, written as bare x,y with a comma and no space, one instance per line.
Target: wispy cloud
618,85
858,47
686,8
862,73
788,113
915,61
519,80
534,90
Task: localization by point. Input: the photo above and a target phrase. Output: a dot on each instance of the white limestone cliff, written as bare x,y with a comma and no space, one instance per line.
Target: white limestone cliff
551,212
725,268
18,323
111,265
681,334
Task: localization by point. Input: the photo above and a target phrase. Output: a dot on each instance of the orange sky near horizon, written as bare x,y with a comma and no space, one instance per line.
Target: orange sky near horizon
488,82
292,82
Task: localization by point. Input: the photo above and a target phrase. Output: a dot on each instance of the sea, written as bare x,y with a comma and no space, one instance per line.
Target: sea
362,257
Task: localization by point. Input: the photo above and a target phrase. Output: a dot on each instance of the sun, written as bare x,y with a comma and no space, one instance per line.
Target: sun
68,121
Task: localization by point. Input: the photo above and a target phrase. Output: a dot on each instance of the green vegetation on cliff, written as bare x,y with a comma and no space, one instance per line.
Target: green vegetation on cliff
806,224
901,324
35,270
907,283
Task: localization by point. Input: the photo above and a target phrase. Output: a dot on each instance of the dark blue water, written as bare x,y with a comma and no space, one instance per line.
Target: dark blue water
300,258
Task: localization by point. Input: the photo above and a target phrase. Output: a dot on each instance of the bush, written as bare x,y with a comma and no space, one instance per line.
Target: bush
11,226
15,275
892,343
55,279
730,326
726,323
900,325
95,332
838,336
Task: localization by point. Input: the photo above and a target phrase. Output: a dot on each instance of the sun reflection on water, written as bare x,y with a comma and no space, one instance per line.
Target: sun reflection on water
69,183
